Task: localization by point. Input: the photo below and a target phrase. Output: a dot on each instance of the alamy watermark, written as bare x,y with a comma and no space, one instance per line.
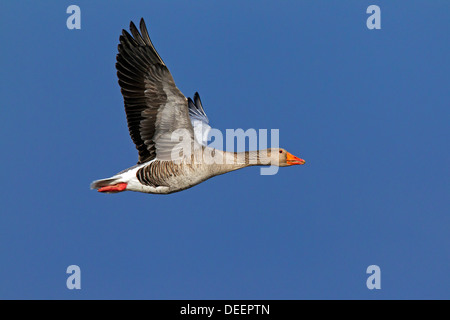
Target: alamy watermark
374,20
74,280
74,20
374,280
181,147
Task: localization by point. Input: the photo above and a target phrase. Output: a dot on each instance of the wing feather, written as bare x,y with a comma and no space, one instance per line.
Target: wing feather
199,120
154,106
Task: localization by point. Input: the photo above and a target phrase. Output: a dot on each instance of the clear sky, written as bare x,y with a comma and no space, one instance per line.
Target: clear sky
367,109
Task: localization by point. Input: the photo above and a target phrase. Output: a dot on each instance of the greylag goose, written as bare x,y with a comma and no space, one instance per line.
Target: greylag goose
168,129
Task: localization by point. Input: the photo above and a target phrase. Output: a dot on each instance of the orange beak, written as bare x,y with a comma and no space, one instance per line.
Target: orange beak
292,160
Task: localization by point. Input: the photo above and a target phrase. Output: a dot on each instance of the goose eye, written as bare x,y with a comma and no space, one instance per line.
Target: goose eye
281,151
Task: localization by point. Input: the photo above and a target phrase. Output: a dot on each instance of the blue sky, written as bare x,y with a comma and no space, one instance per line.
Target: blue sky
367,109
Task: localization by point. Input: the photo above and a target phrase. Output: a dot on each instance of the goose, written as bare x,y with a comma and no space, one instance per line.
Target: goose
156,111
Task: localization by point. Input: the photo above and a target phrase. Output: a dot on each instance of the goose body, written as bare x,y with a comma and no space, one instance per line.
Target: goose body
169,130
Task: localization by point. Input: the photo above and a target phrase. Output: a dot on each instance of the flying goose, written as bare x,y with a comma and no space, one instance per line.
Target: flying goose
168,129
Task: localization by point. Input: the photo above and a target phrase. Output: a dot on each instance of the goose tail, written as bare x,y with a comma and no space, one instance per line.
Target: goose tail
109,185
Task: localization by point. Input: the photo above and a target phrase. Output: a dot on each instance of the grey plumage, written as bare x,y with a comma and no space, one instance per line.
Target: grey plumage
156,113
153,104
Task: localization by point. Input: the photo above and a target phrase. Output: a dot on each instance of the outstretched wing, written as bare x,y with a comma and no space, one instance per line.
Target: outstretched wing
199,120
154,106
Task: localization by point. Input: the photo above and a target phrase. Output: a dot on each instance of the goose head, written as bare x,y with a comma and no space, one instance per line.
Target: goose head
282,158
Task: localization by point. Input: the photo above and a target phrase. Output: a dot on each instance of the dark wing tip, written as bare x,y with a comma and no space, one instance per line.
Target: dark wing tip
142,24
132,26
126,37
198,101
196,108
